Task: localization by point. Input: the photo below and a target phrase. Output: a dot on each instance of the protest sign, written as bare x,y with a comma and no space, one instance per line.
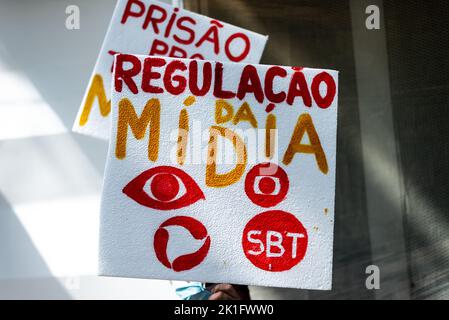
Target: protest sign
220,172
155,28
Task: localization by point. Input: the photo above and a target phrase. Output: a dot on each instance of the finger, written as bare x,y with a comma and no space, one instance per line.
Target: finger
222,287
221,295
228,289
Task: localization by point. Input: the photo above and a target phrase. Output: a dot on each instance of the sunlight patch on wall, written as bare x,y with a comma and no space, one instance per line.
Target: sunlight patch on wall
23,112
65,232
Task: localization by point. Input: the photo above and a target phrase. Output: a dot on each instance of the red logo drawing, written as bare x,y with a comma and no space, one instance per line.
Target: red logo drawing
266,184
187,261
159,188
274,241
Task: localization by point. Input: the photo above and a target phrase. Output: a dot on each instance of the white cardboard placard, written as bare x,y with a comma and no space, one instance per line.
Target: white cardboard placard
155,28
187,192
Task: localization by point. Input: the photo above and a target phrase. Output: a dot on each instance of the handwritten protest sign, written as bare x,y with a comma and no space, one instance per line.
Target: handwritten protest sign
155,28
220,172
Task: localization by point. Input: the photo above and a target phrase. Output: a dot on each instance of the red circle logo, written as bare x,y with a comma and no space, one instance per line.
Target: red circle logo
266,184
274,241
187,261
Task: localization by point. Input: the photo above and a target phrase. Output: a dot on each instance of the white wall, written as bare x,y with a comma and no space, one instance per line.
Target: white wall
50,178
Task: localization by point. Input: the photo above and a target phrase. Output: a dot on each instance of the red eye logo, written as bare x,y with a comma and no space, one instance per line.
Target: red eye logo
160,188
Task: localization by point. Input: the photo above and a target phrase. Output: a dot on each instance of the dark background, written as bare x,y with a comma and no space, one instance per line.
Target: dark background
415,62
